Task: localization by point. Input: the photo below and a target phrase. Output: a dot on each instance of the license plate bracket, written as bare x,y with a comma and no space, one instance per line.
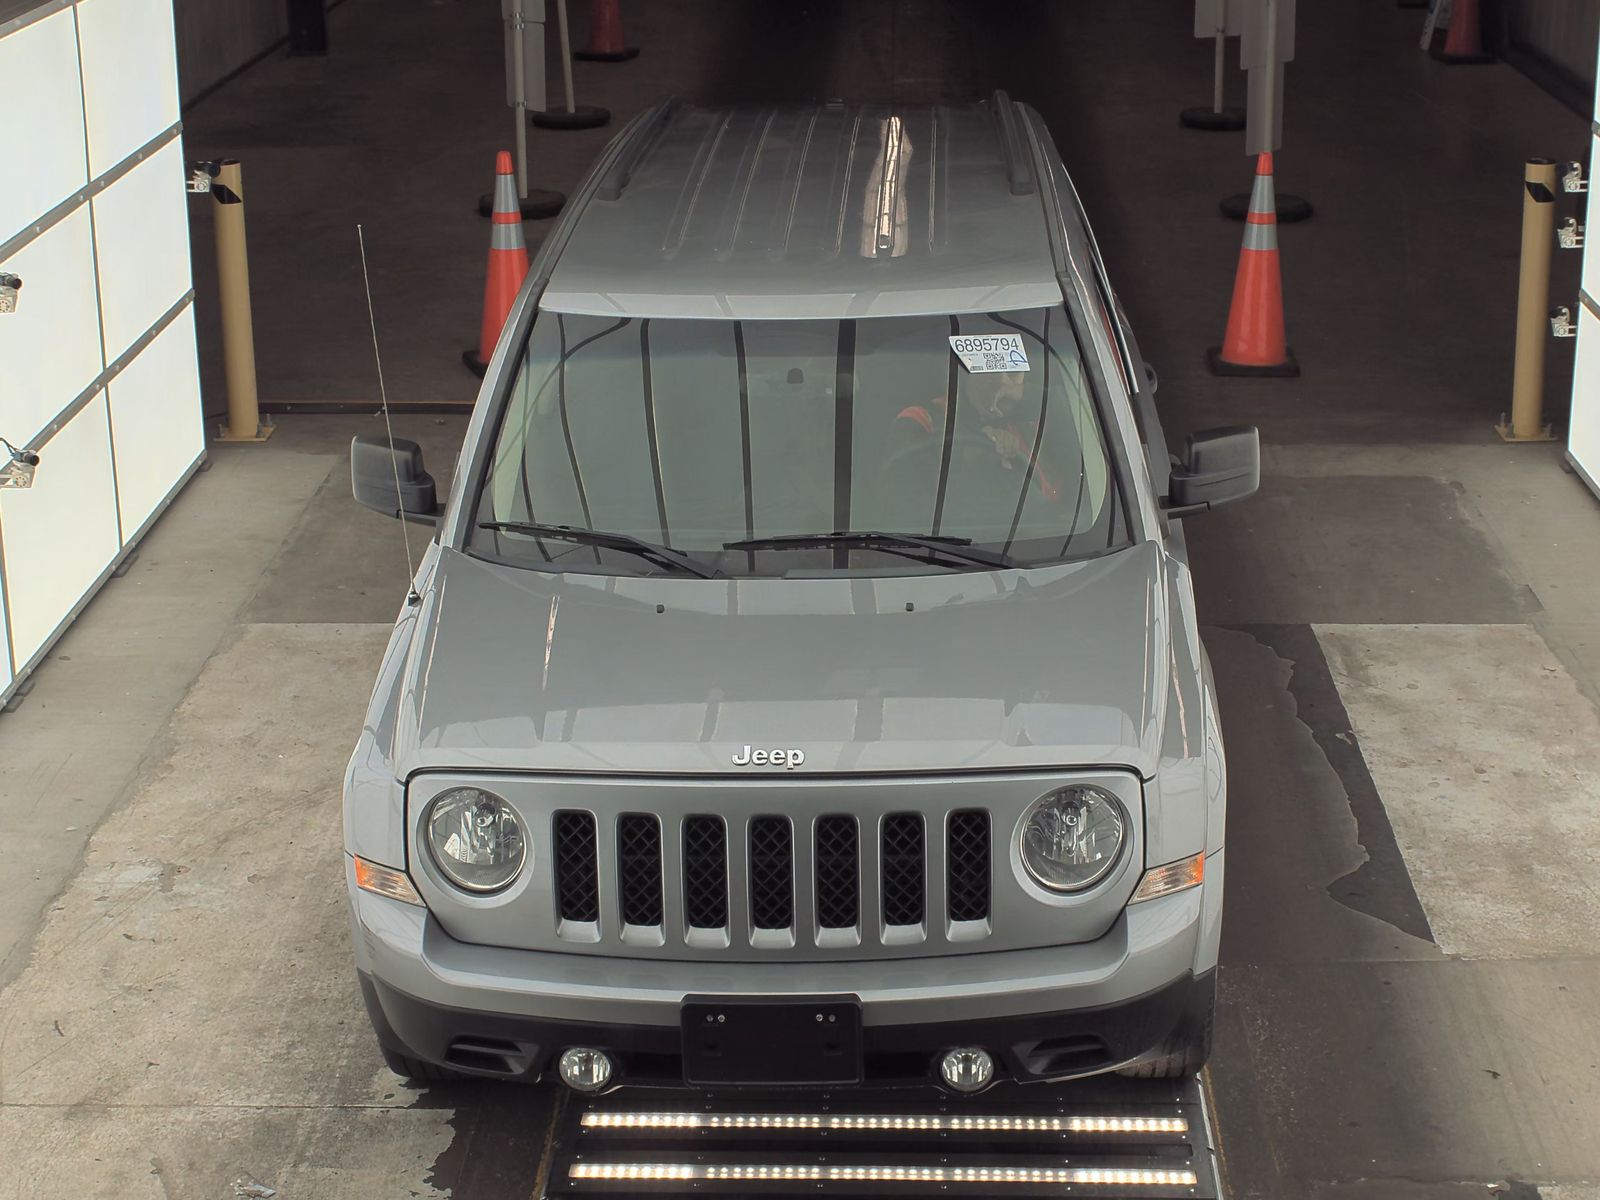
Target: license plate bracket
756,1042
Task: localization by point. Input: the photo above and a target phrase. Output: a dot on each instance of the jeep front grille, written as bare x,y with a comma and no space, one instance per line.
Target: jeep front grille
838,873
968,873
577,888
771,873
904,869
772,881
639,868
705,873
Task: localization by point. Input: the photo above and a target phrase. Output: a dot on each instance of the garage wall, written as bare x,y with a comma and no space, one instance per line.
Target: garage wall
1564,31
99,375
217,37
1551,41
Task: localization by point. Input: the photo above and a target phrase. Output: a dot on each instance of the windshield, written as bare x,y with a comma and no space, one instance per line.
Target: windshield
712,437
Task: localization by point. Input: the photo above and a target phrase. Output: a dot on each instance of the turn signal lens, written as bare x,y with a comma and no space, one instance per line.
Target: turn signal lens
1174,877
386,881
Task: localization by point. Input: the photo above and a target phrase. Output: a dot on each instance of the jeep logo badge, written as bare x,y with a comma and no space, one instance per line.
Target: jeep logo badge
751,757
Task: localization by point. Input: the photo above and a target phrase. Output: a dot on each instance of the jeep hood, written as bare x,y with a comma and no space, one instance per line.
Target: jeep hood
513,669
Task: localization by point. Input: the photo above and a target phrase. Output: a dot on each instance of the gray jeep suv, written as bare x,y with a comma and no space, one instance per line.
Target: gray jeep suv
802,686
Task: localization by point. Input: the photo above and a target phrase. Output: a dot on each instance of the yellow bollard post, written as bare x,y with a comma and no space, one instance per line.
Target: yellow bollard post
1526,423
233,290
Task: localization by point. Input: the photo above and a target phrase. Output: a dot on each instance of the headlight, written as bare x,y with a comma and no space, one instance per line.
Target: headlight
1071,838
476,839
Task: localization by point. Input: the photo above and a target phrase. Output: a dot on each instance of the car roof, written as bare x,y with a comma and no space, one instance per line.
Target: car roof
812,211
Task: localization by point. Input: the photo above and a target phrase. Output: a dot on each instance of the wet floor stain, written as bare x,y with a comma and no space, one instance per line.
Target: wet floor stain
501,1138
1381,886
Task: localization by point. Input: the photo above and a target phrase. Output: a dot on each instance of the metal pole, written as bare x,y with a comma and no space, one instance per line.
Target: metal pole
566,54
233,290
1269,88
1221,56
1533,300
520,86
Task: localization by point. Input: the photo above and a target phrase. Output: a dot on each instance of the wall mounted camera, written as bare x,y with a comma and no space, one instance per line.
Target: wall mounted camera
18,472
10,285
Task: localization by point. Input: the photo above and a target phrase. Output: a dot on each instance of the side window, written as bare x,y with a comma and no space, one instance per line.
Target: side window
1145,419
1108,305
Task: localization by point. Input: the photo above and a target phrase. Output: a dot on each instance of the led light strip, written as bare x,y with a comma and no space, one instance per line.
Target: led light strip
879,1122
877,1173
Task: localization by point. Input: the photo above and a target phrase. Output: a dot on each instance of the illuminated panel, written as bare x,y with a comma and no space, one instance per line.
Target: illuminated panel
130,76
49,347
885,1122
880,1173
62,532
156,420
5,646
39,64
1583,434
141,230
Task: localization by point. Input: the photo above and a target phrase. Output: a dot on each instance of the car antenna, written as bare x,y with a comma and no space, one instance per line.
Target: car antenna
383,395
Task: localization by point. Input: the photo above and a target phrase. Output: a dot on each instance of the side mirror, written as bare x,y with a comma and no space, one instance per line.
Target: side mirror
1220,466
374,469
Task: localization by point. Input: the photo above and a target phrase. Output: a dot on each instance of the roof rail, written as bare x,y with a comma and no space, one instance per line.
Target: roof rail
1018,171
644,136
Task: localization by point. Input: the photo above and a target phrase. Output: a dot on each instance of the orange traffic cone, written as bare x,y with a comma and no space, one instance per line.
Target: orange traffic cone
1255,343
1463,43
605,34
508,265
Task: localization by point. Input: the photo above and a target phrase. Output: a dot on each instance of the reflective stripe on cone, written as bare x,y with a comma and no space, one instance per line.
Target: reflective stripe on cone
508,260
1255,342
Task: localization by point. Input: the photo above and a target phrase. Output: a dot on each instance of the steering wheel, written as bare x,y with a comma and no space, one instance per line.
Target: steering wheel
928,453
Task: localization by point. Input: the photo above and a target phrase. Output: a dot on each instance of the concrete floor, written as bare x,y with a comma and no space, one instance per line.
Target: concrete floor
1402,623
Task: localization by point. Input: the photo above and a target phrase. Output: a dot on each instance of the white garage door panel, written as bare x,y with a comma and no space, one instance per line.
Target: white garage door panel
156,420
62,532
49,347
40,63
142,233
1583,437
1591,258
130,76
5,647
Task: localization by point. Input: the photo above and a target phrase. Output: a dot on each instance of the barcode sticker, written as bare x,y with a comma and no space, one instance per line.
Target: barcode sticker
982,352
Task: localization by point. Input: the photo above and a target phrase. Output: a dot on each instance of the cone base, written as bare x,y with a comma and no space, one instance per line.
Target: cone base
1211,120
584,116
1461,60
1290,208
471,360
623,55
539,204
1287,369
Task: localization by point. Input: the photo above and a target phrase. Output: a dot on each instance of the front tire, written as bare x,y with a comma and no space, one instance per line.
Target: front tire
1186,1051
414,1070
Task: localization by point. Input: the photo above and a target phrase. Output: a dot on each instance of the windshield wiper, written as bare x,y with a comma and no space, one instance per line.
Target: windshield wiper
611,541
892,543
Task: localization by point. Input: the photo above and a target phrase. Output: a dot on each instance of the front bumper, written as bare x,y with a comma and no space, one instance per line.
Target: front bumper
1051,1013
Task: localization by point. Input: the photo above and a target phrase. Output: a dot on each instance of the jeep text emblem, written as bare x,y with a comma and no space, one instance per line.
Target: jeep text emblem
750,757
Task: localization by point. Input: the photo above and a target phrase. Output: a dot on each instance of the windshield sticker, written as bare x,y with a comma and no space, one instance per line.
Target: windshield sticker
990,352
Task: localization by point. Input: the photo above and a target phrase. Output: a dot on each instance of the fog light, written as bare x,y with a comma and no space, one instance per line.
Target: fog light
585,1070
967,1069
